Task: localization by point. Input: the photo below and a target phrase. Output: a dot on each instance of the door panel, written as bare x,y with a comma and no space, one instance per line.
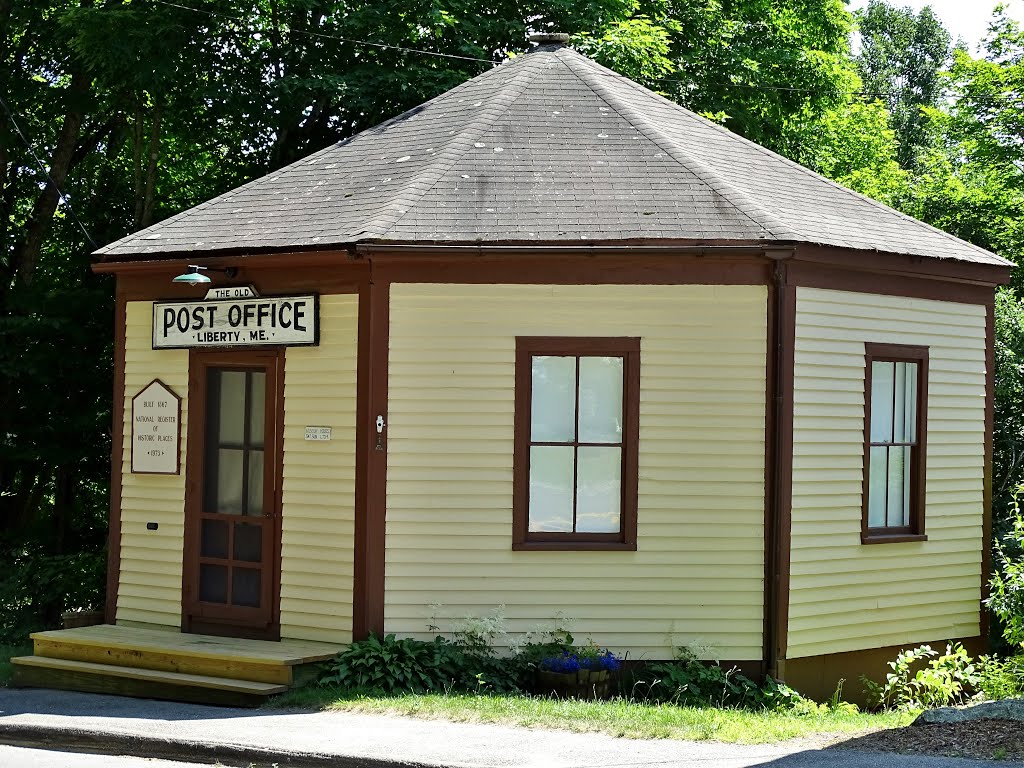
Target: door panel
231,568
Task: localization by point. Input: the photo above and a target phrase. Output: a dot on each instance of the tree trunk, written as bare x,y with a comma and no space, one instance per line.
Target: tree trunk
138,133
151,168
25,256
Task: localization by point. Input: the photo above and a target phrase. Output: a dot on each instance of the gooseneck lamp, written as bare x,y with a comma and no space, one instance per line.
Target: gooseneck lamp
195,276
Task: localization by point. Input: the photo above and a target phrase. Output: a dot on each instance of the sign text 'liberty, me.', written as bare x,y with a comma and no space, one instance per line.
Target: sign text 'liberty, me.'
274,320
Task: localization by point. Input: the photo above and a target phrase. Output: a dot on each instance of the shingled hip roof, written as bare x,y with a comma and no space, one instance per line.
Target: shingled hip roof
549,147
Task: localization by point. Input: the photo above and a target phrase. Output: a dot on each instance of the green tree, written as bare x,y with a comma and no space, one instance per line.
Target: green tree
901,57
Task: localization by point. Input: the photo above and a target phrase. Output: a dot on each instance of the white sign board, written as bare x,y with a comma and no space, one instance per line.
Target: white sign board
156,430
318,433
288,321
232,292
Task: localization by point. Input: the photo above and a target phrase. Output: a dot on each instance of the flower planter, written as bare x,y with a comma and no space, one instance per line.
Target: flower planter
581,684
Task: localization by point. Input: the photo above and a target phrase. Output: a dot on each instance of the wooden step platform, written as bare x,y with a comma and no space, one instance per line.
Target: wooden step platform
165,664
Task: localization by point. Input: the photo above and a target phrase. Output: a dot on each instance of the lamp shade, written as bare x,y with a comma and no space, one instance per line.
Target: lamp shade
192,277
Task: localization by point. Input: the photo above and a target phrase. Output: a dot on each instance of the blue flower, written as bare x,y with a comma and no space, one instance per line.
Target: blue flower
564,663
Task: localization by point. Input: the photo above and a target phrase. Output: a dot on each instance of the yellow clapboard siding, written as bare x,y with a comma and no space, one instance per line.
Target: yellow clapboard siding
449,487
150,576
844,595
318,501
911,631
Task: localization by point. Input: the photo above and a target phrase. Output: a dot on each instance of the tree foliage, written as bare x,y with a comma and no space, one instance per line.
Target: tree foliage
900,62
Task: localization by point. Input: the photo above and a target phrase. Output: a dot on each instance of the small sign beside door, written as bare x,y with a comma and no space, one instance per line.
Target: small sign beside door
156,430
286,321
318,433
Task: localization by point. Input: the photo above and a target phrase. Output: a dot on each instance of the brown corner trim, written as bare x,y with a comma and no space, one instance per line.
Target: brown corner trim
116,459
990,400
371,503
779,469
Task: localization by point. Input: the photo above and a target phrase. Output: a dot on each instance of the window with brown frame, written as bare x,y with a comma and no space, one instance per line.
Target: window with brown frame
895,429
577,414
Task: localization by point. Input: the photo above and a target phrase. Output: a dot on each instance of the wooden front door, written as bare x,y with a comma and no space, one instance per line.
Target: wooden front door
231,579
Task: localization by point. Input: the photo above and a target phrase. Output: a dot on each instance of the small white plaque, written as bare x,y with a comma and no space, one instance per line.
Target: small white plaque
156,430
318,433
232,292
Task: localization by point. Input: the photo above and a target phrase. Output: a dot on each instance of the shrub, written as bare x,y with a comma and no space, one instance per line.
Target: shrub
1007,594
35,588
390,666
915,683
1001,678
689,682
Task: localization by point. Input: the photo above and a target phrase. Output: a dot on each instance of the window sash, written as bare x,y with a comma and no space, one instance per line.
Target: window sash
595,449
894,441
564,471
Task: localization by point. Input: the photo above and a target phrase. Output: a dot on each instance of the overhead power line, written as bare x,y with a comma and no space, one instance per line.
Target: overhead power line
492,62
60,193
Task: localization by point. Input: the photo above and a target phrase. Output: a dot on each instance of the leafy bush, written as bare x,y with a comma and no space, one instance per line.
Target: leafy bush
36,588
1007,595
1001,678
689,682
391,666
915,683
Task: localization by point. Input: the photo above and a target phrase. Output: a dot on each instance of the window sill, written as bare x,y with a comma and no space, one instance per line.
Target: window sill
891,538
571,546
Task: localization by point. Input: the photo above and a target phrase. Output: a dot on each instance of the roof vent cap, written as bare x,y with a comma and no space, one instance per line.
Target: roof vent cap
557,39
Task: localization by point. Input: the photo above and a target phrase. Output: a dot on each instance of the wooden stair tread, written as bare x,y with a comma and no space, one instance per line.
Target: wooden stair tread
152,676
174,643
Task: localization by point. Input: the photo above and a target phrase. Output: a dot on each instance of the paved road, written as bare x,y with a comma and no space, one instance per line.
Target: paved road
315,739
18,757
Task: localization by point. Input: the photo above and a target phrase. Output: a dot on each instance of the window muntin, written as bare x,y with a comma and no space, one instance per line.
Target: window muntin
576,430
895,390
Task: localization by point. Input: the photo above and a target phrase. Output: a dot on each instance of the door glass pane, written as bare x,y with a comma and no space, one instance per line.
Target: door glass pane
214,539
883,377
255,505
257,407
899,489
245,587
551,469
213,583
600,400
553,396
231,407
229,481
248,542
877,477
598,490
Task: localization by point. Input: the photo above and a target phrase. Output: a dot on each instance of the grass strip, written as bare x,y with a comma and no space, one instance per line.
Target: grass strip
619,717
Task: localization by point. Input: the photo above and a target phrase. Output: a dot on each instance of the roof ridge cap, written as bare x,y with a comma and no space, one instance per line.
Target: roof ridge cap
691,115
389,215
737,198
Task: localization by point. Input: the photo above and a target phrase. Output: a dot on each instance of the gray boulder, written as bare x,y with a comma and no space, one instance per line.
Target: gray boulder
1007,709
